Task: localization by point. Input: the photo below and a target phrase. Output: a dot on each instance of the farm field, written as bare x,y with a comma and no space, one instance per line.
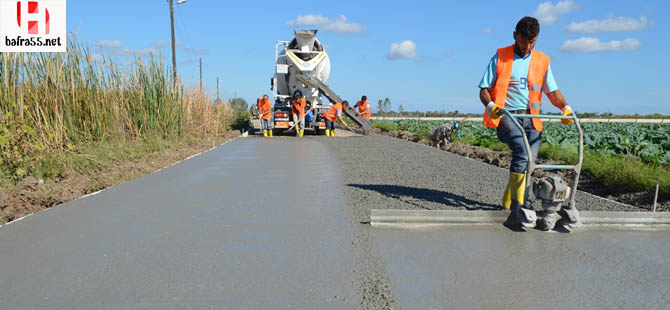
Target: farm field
648,142
624,156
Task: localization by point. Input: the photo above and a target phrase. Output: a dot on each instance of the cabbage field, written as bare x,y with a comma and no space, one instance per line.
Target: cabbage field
648,142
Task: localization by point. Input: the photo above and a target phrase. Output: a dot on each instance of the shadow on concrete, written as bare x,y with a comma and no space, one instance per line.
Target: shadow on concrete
409,195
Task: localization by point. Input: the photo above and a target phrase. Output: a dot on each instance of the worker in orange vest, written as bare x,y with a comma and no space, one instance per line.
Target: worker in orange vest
265,111
332,114
298,110
364,108
515,79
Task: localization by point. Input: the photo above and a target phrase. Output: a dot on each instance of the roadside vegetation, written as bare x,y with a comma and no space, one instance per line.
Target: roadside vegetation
76,112
622,156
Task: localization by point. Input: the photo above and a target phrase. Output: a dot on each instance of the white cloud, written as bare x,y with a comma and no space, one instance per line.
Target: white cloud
487,30
402,50
340,25
113,47
335,25
104,44
309,20
609,24
593,45
548,13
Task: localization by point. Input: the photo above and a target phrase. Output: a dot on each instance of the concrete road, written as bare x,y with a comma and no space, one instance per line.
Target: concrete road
240,227
276,223
490,267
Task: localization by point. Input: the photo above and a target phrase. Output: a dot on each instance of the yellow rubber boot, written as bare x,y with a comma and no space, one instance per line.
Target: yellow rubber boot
270,132
507,196
302,132
517,188
327,132
332,132
265,133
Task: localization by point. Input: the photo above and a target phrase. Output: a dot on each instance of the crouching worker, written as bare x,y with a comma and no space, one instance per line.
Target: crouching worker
334,113
265,111
442,135
514,80
298,110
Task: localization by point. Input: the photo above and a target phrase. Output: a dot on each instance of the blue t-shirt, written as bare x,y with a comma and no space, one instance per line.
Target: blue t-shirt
517,92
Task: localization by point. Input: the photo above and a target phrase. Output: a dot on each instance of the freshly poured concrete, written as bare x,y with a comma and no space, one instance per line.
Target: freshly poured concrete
234,228
490,267
277,223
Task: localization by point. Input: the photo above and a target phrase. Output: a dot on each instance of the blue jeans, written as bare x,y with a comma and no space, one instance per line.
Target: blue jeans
299,121
329,124
509,134
265,124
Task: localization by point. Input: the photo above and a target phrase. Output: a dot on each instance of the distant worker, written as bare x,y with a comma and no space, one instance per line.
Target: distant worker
364,108
332,114
265,115
442,134
514,80
298,105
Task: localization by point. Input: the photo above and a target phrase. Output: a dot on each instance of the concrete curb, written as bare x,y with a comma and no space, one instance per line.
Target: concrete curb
430,218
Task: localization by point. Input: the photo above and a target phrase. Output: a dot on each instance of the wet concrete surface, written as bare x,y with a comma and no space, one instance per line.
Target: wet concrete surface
390,173
468,267
233,228
280,223
490,267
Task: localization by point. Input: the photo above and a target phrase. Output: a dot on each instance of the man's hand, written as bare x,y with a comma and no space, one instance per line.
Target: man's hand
567,110
494,110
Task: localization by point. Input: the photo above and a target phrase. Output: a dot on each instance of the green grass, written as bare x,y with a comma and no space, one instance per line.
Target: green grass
96,156
615,172
494,145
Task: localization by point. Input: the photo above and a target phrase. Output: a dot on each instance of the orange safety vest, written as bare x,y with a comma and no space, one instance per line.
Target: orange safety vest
265,107
331,114
364,109
539,64
299,107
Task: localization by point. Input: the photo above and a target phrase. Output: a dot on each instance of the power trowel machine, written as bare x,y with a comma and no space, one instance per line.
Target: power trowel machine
556,196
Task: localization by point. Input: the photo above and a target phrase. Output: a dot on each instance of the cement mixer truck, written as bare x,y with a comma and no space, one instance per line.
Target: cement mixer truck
302,65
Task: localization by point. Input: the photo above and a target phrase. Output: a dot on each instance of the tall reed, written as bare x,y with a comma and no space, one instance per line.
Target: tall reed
52,101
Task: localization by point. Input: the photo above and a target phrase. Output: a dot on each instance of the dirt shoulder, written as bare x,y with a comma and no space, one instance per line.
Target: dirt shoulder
587,182
33,194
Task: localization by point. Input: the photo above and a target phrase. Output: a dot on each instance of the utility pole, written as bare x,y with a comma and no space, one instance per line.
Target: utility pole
174,56
201,74
218,98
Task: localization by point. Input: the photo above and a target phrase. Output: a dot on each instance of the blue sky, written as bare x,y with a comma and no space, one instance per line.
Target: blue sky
607,56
